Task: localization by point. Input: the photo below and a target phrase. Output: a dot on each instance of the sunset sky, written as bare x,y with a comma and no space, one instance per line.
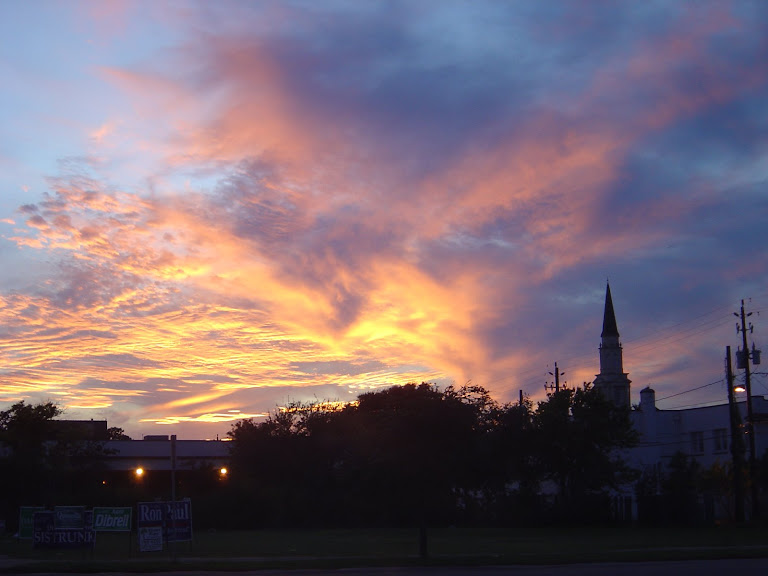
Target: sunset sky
211,209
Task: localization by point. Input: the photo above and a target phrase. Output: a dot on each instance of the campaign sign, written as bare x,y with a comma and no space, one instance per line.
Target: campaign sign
150,538
174,519
69,517
150,520
26,528
178,525
47,535
150,513
43,528
111,519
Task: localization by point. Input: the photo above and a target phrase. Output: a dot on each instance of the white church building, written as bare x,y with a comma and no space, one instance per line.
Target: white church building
702,433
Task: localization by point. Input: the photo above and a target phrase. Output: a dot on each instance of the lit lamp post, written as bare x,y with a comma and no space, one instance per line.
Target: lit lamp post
743,356
223,478
737,440
138,482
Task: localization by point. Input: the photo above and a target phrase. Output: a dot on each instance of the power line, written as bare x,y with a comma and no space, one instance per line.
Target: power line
691,390
697,405
681,335
675,329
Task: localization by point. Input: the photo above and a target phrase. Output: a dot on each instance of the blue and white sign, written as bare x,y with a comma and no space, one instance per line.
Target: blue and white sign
173,520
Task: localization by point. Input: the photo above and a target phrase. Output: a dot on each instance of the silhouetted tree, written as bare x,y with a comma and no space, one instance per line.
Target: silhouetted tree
580,436
268,467
716,485
43,463
512,478
116,433
396,456
416,445
416,454
650,501
680,487
24,429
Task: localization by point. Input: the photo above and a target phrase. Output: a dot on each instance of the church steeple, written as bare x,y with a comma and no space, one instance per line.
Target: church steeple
612,380
609,316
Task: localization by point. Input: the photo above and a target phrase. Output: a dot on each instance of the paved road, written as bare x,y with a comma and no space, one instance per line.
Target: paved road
752,567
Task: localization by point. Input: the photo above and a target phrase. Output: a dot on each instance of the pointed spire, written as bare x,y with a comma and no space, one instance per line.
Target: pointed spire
609,316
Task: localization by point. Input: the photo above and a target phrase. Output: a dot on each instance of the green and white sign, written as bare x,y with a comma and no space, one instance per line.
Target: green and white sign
26,527
111,519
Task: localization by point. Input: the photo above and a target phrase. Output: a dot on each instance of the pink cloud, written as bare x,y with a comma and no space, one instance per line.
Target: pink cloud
103,132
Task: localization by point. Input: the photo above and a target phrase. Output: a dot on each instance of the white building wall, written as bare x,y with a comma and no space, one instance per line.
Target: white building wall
701,433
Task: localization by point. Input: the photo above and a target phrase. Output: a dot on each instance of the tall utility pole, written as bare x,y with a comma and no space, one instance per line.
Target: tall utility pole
737,443
742,361
557,375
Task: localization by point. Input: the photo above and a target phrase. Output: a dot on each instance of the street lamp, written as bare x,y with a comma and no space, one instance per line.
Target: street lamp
743,356
139,472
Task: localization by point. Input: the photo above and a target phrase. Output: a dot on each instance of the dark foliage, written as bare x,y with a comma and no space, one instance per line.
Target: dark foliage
411,455
416,455
579,436
116,433
45,464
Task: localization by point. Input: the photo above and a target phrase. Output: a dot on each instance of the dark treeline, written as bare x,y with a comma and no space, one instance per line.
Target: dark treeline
43,464
403,456
416,454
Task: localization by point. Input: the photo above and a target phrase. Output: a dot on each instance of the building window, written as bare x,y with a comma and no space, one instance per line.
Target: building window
697,442
721,440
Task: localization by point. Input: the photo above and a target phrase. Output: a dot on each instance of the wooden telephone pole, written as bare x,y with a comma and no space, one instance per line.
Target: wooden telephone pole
556,386
737,443
743,356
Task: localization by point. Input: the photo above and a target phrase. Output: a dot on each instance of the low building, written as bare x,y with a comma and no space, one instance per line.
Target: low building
154,453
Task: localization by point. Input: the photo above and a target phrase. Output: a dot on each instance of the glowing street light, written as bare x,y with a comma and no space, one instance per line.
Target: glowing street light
223,472
139,472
